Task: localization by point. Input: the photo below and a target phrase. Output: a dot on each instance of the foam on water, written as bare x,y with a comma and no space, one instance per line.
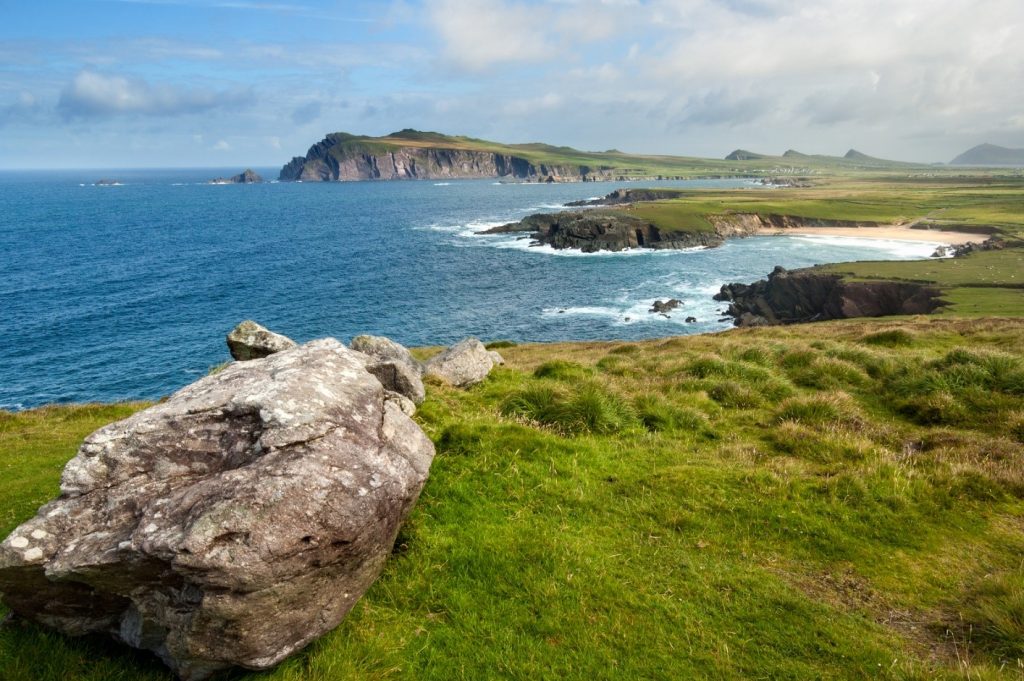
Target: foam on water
894,247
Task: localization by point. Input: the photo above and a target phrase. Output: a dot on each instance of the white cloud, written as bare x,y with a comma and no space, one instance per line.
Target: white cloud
93,94
221,145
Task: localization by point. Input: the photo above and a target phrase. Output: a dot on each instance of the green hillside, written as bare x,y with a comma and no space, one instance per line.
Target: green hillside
740,163
839,501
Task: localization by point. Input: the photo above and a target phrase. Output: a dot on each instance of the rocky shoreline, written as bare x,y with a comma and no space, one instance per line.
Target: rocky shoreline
810,295
592,231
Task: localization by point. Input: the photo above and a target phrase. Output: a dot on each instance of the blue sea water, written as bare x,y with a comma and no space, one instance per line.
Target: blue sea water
126,292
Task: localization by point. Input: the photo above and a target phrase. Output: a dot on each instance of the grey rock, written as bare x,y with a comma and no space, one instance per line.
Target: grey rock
400,378
247,176
249,340
463,364
665,306
496,358
407,406
230,525
385,349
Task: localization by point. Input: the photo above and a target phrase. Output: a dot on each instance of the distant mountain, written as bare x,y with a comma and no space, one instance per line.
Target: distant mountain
793,153
854,155
744,155
990,155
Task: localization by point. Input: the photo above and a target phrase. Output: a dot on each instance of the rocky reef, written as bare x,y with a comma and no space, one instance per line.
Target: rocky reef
592,231
341,156
247,176
809,295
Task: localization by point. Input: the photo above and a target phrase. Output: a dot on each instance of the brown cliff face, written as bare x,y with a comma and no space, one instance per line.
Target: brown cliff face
809,295
339,157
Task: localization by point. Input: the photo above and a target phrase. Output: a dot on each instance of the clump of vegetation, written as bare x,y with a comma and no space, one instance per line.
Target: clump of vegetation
993,616
892,338
584,409
499,344
735,395
562,370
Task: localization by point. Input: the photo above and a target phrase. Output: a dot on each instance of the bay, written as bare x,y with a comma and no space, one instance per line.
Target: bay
126,292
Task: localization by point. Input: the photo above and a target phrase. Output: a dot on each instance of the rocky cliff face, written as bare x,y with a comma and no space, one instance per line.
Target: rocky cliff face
744,224
593,231
810,295
338,157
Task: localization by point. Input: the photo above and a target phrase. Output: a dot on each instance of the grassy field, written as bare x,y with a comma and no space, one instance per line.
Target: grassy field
834,501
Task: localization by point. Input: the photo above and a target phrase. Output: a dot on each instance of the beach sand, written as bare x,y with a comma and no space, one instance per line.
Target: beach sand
893,232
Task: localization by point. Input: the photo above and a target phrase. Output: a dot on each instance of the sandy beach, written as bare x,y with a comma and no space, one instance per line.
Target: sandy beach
893,232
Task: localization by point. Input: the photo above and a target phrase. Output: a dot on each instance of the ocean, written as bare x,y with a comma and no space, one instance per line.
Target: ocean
126,292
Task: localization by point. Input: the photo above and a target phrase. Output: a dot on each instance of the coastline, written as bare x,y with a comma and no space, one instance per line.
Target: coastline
888,232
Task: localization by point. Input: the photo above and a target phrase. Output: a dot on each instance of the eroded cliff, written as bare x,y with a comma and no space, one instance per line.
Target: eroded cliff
340,156
808,295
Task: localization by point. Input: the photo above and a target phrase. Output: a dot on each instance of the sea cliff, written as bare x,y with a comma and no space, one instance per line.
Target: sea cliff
344,157
809,295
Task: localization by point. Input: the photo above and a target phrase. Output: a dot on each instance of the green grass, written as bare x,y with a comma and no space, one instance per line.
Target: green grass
683,508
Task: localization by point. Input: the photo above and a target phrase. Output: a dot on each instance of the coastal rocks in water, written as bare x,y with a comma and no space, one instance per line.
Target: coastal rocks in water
247,176
592,231
789,297
400,378
625,196
691,320
383,348
107,182
249,340
230,525
665,306
463,364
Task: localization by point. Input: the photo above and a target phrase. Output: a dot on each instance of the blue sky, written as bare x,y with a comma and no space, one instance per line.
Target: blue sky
144,83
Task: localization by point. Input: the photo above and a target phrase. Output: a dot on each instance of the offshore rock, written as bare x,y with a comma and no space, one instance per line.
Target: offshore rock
463,364
247,176
230,525
250,340
665,306
385,349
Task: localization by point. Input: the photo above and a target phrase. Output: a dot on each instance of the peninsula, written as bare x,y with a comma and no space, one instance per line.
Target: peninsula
416,155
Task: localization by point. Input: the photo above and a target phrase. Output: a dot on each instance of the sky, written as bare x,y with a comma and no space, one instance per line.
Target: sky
235,83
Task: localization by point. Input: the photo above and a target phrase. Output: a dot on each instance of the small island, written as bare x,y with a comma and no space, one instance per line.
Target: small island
247,176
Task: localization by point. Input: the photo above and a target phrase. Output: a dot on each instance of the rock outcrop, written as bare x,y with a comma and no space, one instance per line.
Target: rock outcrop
809,295
341,156
400,378
249,340
230,525
247,176
665,306
463,364
626,196
385,349
592,231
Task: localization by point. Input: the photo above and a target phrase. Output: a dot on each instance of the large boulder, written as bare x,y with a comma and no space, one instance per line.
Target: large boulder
385,349
465,363
233,523
400,378
249,340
